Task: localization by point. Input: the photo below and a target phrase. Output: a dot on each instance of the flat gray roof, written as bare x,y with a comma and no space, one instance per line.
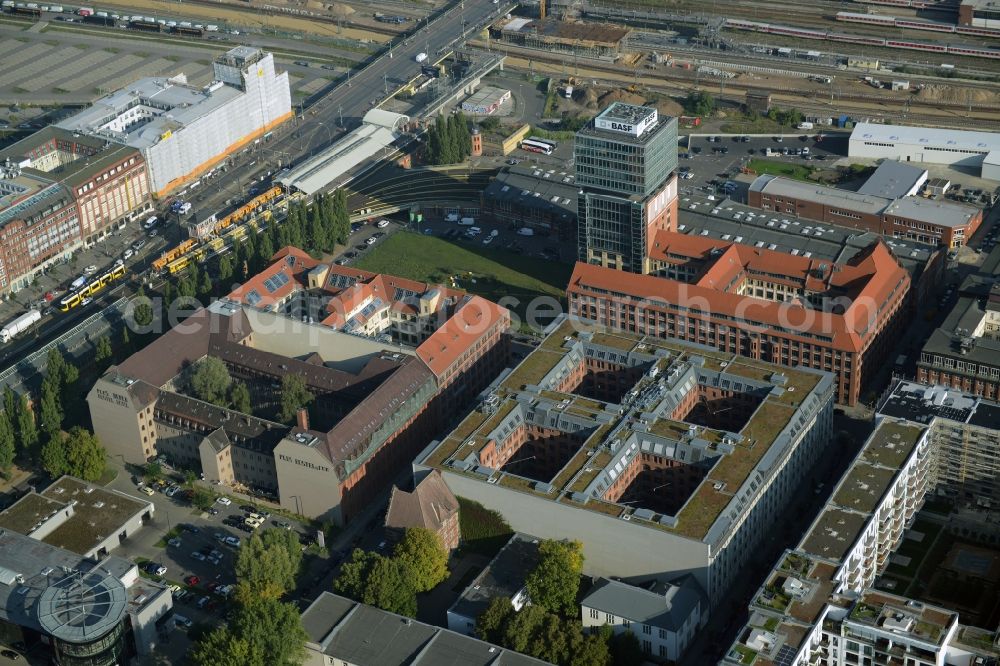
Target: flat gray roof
929,211
54,590
503,577
893,179
179,105
827,196
361,634
377,132
927,137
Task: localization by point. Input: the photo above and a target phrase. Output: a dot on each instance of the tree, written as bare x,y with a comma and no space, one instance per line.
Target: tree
10,403
205,285
294,394
626,649
153,471
239,398
50,407
263,632
85,457
210,381
225,269
555,582
54,458
142,312
126,340
590,650
103,351
423,558
699,103
492,622
376,580
220,647
7,446
268,563
202,498
490,124
27,430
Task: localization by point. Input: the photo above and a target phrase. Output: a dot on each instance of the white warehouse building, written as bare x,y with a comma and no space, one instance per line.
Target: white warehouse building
183,131
929,145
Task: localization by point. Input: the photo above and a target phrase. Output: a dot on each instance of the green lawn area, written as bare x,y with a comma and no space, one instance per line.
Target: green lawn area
785,169
490,273
758,126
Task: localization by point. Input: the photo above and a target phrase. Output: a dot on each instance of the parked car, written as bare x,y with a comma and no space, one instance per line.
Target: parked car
182,621
192,580
382,224
198,555
175,542
224,501
233,541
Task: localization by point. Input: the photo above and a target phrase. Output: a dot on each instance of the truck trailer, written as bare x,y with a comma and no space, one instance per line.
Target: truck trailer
19,325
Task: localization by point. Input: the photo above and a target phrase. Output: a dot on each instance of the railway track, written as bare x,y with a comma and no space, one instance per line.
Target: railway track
815,102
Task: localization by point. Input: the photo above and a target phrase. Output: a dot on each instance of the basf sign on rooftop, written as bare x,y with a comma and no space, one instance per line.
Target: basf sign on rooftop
626,118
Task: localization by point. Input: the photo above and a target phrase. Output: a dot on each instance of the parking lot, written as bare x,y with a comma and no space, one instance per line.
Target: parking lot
63,64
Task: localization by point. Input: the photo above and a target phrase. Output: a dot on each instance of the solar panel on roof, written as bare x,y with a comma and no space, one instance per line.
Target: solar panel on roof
252,298
275,282
786,655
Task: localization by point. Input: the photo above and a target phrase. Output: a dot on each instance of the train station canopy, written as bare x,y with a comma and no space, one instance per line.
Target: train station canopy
378,130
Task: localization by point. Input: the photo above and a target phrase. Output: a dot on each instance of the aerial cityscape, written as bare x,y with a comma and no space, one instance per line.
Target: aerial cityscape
481,332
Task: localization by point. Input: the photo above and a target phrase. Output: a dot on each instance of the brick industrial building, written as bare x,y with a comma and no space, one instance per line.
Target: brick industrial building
910,217
60,191
757,303
638,445
380,393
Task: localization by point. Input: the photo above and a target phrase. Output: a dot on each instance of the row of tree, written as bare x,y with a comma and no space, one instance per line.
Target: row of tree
549,628
38,439
262,630
418,564
448,141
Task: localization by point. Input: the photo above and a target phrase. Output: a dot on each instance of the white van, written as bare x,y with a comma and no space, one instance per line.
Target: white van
474,231
451,217
467,221
525,231
150,223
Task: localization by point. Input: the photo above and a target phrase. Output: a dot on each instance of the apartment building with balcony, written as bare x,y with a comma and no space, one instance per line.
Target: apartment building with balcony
965,462
758,303
817,606
663,457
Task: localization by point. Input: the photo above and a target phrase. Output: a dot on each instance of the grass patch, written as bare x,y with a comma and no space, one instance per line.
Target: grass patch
109,475
162,543
756,126
483,531
492,274
794,171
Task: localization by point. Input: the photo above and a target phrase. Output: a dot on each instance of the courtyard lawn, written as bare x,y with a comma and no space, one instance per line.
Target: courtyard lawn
785,169
492,274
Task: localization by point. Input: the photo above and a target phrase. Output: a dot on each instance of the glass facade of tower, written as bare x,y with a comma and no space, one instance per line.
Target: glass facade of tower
623,158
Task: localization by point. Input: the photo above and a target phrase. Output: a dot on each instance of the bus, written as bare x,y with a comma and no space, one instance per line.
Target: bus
95,285
533,146
551,144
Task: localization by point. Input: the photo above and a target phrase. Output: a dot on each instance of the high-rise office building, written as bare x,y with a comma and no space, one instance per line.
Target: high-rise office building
626,163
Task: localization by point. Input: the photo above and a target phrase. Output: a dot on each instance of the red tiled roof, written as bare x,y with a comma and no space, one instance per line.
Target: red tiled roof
291,261
870,278
459,333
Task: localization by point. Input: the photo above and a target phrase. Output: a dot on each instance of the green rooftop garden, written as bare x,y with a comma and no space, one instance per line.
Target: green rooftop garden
532,369
758,435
